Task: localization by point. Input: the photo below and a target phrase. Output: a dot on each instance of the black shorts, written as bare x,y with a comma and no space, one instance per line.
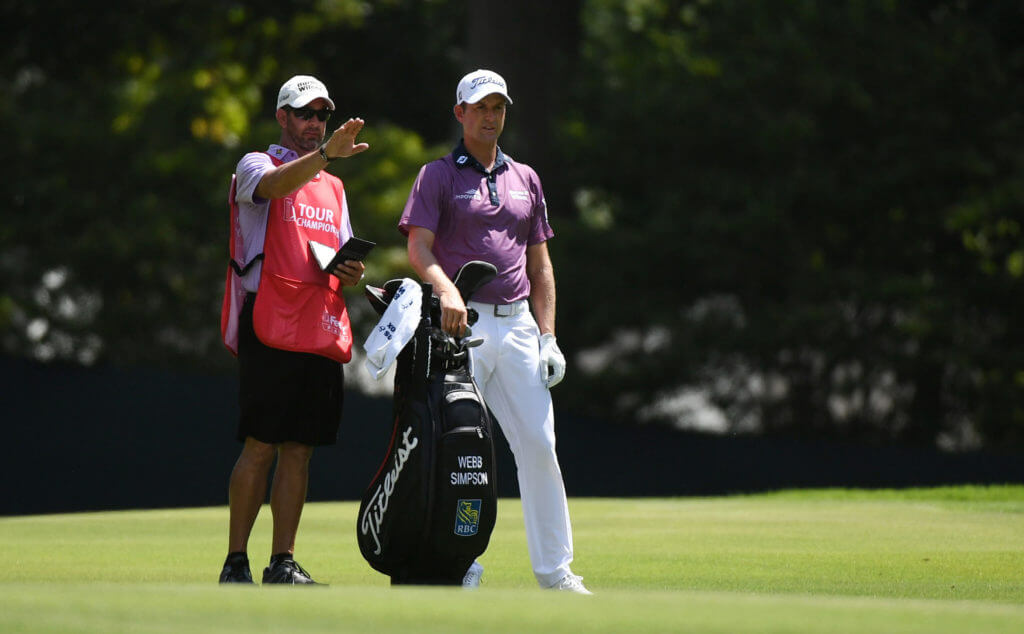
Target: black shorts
286,396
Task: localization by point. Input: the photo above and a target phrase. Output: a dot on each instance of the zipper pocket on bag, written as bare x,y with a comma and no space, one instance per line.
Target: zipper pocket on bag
478,431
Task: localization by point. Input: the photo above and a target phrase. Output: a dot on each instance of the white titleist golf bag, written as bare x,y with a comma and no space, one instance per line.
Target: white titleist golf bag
430,509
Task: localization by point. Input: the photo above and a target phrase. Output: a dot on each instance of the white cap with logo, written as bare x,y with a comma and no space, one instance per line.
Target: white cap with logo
478,84
300,90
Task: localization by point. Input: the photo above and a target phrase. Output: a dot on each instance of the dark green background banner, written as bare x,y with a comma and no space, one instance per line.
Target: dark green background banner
115,439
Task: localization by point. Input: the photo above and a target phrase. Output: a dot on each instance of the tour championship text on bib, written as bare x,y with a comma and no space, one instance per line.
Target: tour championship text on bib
298,306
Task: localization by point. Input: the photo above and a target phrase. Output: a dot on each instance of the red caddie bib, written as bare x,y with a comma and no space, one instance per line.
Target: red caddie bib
298,306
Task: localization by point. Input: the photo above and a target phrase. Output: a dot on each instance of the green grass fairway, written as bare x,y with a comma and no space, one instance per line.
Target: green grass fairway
929,560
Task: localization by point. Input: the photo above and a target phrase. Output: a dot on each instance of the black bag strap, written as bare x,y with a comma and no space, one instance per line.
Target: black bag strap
240,271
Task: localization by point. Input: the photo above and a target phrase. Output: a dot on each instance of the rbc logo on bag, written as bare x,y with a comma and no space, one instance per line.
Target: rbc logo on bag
467,518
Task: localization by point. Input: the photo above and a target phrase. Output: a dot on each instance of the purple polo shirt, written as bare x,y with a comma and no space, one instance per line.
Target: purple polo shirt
479,215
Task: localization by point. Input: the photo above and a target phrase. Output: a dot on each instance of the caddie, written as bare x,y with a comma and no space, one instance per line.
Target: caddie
286,319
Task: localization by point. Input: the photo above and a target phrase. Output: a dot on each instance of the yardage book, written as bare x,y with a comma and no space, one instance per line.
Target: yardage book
327,258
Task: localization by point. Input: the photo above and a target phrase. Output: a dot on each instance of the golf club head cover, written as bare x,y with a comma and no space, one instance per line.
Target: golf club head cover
472,275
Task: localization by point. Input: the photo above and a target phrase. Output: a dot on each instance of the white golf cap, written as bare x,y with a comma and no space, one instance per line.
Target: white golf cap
478,84
300,90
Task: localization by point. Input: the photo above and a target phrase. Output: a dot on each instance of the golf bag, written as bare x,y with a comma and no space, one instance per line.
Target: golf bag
430,509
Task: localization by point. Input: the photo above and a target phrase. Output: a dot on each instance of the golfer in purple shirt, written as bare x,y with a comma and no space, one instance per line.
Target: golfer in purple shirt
479,204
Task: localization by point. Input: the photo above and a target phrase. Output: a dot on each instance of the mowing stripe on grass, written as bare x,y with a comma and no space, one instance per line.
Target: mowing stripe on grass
933,560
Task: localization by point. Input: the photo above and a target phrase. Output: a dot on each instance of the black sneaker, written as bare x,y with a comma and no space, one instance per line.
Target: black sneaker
236,570
287,571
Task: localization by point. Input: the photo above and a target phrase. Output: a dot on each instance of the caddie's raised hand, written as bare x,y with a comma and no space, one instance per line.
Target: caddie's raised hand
343,141
552,360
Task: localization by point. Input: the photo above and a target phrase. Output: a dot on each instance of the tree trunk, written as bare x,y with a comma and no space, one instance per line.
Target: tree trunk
534,45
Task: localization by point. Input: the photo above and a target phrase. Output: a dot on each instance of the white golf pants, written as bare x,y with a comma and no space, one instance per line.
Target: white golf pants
507,369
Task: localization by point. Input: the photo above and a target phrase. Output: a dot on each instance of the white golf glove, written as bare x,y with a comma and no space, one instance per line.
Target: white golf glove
552,360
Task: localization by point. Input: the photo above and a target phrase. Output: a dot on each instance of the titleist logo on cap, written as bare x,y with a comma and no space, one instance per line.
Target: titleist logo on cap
481,81
476,85
486,79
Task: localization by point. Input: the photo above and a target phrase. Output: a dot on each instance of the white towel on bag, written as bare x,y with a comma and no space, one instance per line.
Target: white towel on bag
396,327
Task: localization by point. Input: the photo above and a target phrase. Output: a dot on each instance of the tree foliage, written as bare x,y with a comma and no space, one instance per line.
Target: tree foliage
814,209
130,124
804,216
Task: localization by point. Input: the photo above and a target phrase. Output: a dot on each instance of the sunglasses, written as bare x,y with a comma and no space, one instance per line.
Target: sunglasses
307,113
